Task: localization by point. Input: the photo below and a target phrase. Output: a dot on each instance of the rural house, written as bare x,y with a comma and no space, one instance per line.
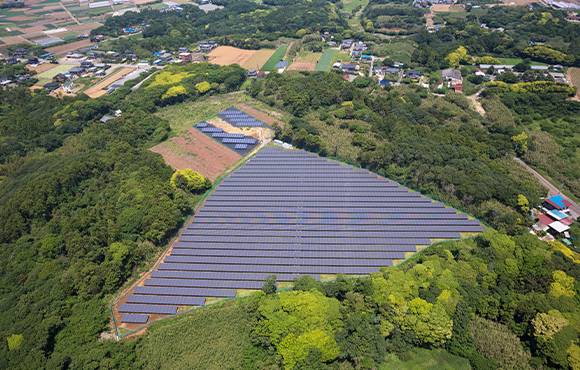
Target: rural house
21,52
68,86
451,74
185,57
59,78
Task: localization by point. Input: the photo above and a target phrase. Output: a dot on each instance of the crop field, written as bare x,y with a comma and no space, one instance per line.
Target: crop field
325,61
226,55
302,66
574,78
46,77
258,60
308,57
197,151
275,58
63,49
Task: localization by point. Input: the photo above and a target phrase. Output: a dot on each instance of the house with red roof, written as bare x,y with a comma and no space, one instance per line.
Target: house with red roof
557,203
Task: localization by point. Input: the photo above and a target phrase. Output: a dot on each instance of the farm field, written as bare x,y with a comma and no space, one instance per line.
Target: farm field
308,57
275,58
302,66
325,61
197,151
574,78
98,89
46,76
513,61
226,55
63,49
258,60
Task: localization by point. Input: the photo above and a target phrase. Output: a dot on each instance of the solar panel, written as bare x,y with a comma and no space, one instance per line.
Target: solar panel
201,125
192,292
211,129
166,300
224,276
132,318
238,141
241,146
151,309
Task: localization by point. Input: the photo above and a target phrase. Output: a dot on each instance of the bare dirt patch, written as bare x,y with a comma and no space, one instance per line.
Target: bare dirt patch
20,18
42,68
573,76
29,30
97,90
457,8
302,66
429,17
258,60
226,55
85,26
199,152
440,8
393,29
69,47
260,133
260,115
15,40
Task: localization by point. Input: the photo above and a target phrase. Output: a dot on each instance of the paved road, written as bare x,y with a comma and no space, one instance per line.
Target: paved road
575,208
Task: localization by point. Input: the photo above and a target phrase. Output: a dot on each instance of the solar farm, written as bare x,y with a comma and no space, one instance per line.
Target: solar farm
289,213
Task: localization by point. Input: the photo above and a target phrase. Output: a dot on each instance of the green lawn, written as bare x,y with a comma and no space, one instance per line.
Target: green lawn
275,58
349,5
514,61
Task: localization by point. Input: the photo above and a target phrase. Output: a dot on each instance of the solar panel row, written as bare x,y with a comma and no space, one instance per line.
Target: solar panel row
349,270
192,292
306,209
201,125
178,246
208,221
338,229
223,276
166,300
190,283
241,146
211,129
138,308
132,318
282,253
225,134
333,241
239,141
294,261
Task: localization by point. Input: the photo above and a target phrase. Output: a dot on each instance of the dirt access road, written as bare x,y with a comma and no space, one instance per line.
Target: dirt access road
575,208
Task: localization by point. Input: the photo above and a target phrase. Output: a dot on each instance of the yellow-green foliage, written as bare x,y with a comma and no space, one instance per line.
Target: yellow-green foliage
309,319
548,324
545,53
459,56
189,180
535,87
487,60
574,357
174,91
14,341
557,246
523,203
563,285
203,87
168,78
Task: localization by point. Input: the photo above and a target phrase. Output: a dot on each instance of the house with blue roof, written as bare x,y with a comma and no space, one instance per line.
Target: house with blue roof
281,66
557,203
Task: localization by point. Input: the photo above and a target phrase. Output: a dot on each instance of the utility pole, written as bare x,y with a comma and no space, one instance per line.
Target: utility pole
561,188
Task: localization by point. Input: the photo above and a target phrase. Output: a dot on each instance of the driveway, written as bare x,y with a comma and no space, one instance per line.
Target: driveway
575,208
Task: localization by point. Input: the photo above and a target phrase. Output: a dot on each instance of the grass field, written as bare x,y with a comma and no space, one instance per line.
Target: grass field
182,116
514,61
275,58
308,57
325,61
419,358
213,338
46,77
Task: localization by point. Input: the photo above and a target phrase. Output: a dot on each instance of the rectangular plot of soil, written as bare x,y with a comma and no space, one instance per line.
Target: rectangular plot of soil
197,151
302,66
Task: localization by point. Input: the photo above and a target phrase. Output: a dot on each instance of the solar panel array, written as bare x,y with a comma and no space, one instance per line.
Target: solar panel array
291,213
225,134
201,125
241,146
212,129
238,142
238,118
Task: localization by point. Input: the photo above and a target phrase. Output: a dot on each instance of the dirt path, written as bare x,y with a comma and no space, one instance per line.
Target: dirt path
478,107
429,17
552,189
69,13
569,78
